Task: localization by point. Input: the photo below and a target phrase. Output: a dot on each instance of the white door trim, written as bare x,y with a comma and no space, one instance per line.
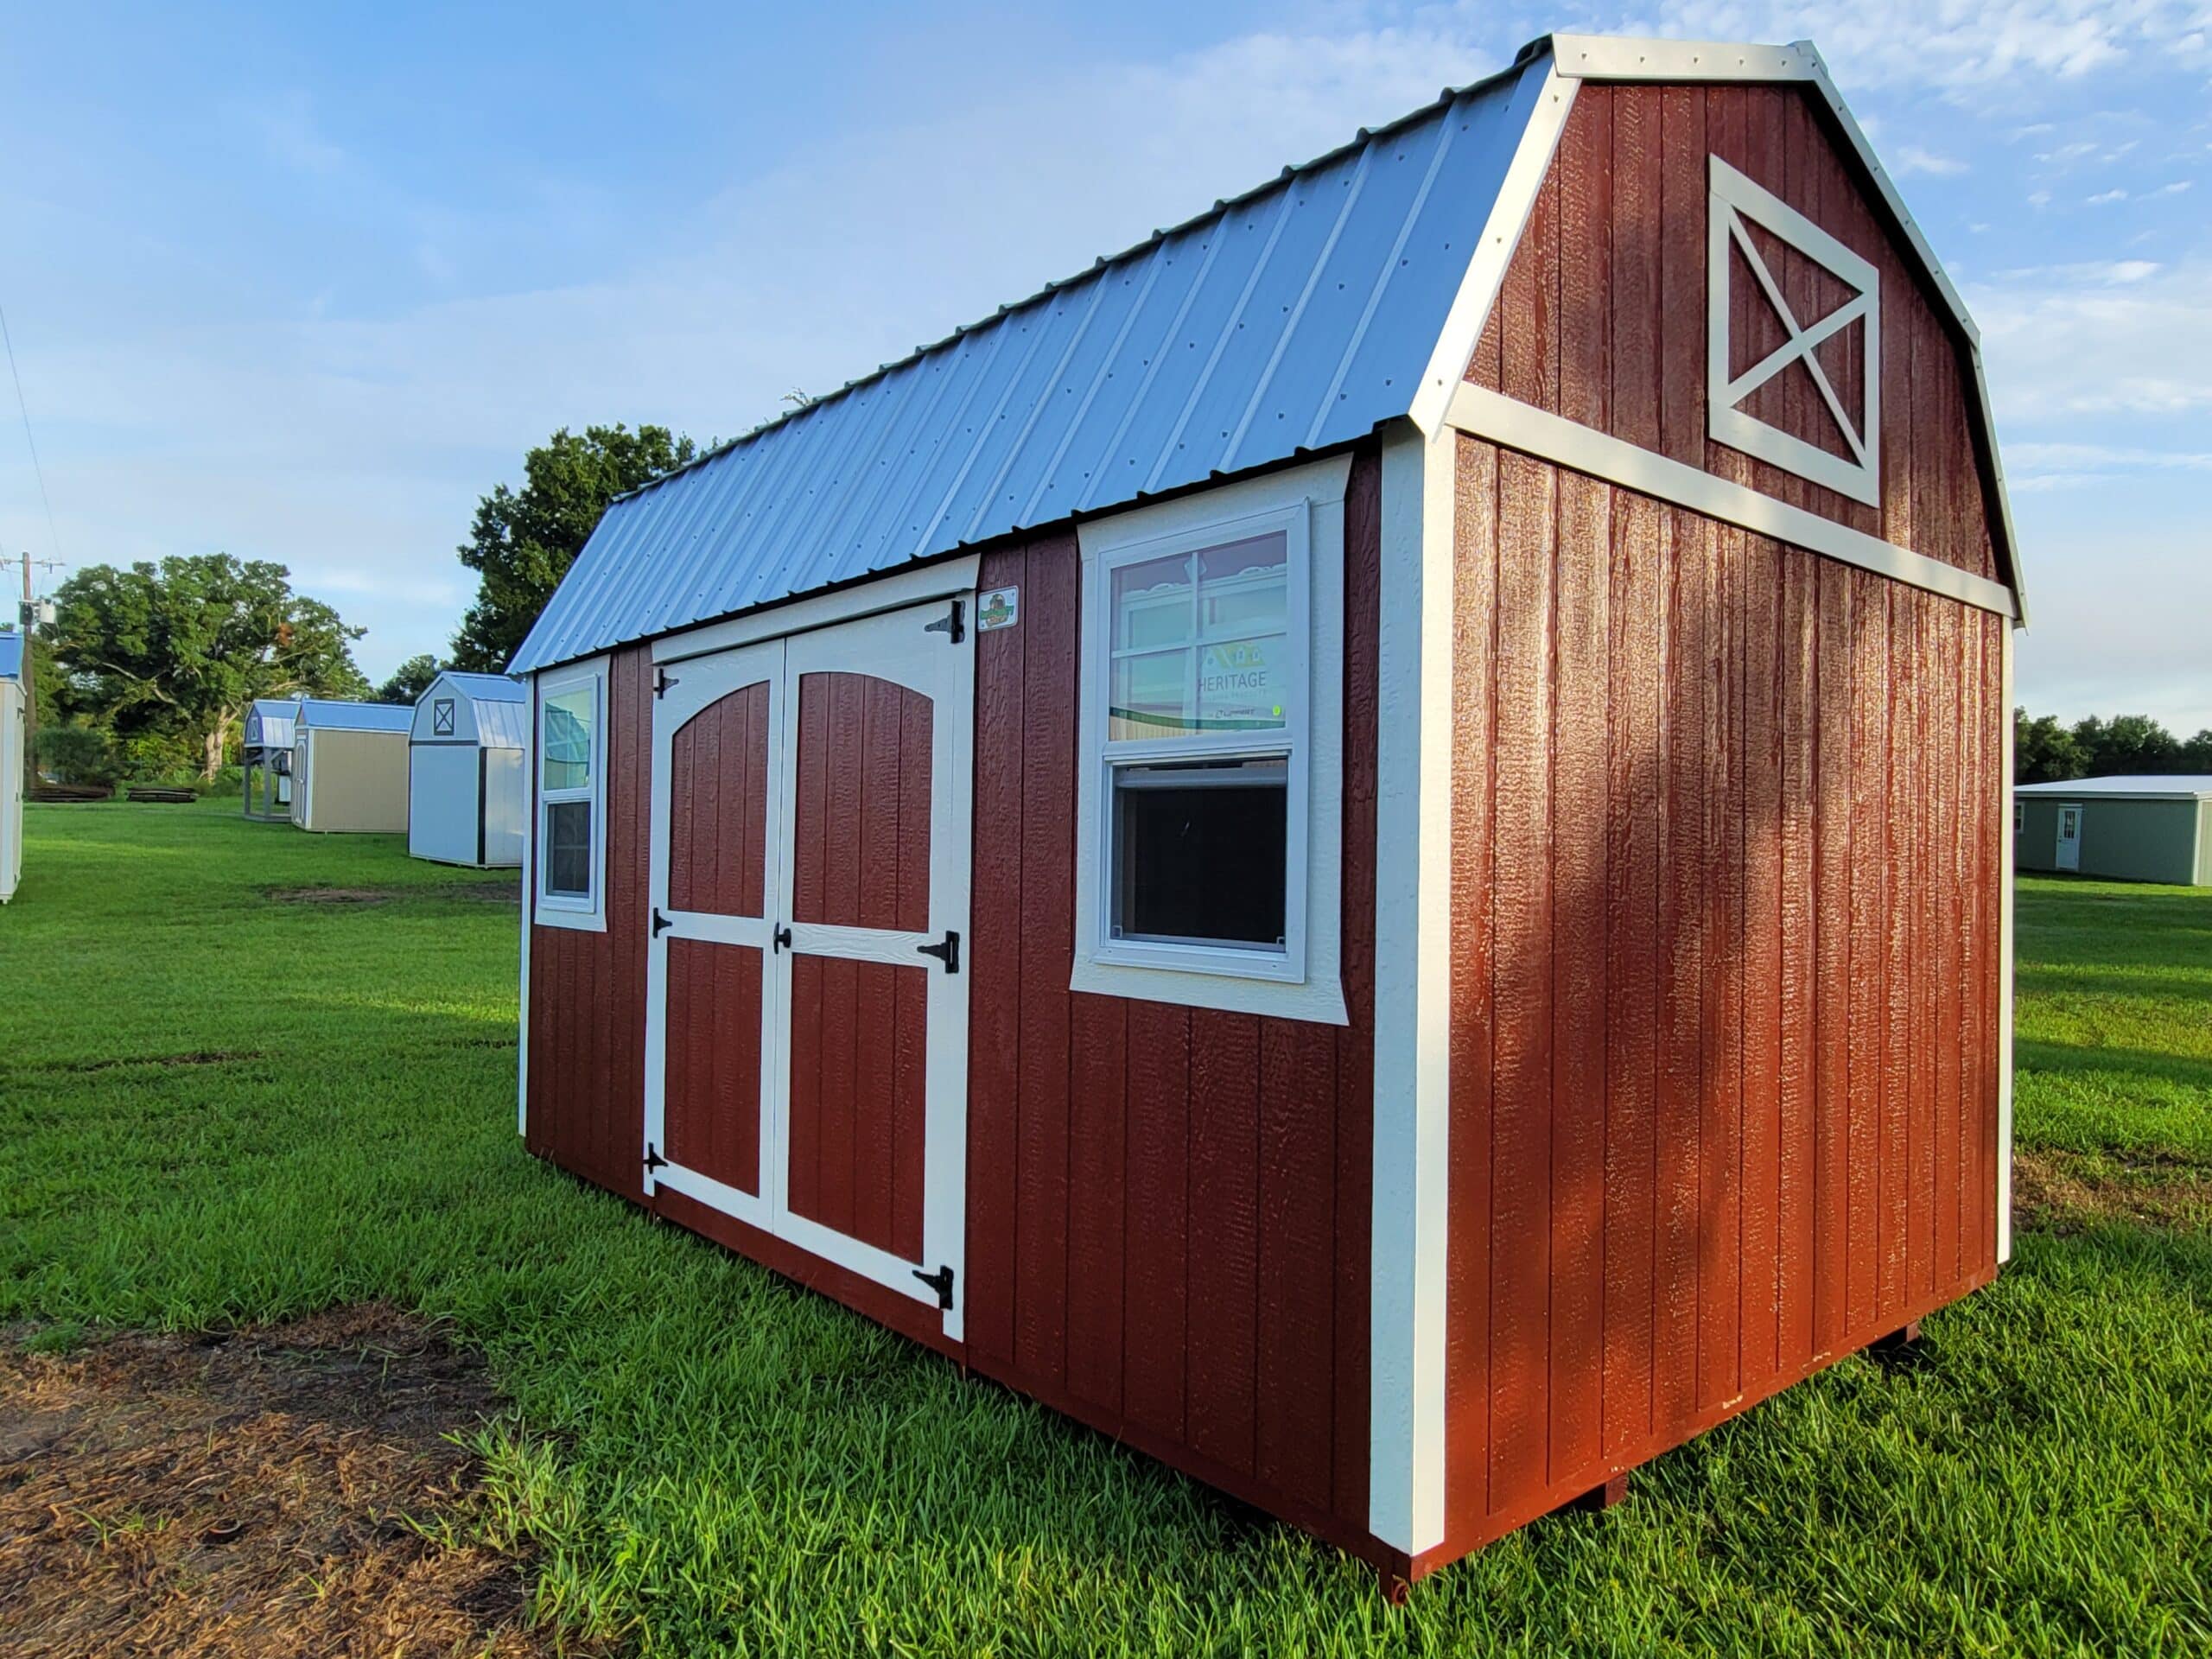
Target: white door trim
893,591
704,683
897,646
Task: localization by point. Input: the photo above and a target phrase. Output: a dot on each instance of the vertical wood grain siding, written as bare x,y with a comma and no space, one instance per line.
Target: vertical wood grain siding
1168,1207
588,990
1613,272
1725,879
1724,871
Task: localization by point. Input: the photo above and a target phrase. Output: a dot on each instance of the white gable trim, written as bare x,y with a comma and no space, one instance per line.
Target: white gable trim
1598,57
1486,414
1501,235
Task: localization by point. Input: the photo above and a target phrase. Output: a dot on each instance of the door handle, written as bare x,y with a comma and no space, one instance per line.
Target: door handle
780,939
947,951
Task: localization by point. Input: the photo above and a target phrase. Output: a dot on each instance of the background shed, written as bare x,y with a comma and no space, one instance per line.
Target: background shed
465,769
15,765
349,766
265,758
2147,829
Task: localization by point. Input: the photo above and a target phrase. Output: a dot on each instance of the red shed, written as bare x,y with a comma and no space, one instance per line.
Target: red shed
1365,847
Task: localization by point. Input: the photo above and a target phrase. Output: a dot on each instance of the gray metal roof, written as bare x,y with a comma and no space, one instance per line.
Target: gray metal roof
1294,318
484,688
2177,787
269,722
326,714
500,706
11,655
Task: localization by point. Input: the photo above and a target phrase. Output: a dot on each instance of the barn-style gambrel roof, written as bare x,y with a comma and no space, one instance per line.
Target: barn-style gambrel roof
1342,294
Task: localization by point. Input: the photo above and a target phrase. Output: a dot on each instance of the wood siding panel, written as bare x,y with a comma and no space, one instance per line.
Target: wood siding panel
1937,494
586,1089
1167,1208
1698,861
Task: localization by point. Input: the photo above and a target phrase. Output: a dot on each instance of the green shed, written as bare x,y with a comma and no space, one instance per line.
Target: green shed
2123,829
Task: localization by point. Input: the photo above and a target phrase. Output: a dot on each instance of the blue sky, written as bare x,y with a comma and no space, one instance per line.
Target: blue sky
302,283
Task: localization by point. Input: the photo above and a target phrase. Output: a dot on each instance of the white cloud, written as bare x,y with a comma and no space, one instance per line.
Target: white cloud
2104,196
2122,336
1908,158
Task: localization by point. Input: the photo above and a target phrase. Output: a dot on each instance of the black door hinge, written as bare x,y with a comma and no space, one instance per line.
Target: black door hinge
660,922
653,1159
950,624
780,939
662,680
940,1281
948,952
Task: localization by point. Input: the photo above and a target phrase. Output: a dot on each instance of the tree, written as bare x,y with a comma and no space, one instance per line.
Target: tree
2045,752
523,541
173,652
2127,745
2196,753
410,680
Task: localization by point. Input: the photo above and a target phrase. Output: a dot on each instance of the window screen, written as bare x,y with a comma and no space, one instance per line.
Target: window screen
568,849
1199,851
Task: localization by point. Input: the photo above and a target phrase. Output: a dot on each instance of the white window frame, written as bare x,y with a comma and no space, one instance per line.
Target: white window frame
1303,980
588,912
1735,199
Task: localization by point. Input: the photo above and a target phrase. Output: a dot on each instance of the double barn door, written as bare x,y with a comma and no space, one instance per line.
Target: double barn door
806,1042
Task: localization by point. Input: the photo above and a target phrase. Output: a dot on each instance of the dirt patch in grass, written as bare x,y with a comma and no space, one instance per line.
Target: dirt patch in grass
2060,1191
483,892
279,1492
197,1057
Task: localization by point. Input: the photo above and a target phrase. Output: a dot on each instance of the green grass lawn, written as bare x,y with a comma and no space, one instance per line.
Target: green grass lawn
217,1106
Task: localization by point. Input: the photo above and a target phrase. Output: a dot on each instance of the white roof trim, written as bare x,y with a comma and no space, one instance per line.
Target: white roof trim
1508,217
1600,57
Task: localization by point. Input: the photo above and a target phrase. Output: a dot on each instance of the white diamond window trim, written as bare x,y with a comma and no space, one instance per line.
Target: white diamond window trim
1734,200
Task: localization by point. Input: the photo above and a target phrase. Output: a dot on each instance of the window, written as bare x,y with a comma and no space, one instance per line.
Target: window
2020,816
1210,812
571,767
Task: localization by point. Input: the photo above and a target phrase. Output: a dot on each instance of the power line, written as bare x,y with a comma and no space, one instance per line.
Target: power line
37,470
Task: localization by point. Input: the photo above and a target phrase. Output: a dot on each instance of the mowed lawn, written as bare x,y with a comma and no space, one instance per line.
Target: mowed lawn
219,1106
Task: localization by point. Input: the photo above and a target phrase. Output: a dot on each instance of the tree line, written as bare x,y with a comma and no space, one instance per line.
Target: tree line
2046,752
148,669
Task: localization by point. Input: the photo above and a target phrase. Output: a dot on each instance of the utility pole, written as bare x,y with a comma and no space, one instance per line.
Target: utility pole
24,620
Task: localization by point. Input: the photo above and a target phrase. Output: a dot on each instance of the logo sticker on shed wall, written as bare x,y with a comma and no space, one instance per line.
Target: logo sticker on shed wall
998,608
1839,341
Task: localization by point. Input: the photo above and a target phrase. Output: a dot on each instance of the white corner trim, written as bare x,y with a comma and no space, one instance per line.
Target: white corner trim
1735,199
1501,235
1310,985
1413,952
893,590
1502,420
529,880
2010,877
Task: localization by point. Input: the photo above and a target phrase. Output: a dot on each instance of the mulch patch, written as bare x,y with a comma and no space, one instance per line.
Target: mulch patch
2062,1193
274,1492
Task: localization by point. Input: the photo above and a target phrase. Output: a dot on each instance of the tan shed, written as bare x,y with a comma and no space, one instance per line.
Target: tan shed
349,766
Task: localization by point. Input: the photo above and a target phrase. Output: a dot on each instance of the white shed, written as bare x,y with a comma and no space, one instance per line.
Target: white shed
265,752
465,769
15,734
349,766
